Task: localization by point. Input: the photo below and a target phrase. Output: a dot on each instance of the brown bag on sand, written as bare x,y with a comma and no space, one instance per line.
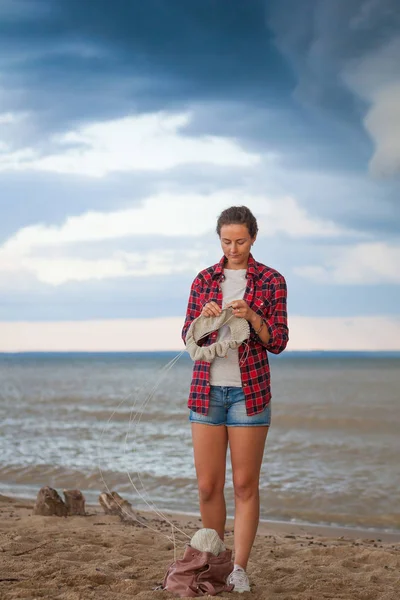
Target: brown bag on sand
199,574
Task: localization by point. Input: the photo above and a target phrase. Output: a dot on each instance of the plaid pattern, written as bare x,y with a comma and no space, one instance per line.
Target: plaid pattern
266,295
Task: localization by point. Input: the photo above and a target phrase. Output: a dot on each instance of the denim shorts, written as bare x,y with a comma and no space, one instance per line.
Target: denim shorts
228,407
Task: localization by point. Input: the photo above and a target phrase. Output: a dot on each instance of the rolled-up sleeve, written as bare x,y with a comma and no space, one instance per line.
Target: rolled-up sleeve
277,321
194,307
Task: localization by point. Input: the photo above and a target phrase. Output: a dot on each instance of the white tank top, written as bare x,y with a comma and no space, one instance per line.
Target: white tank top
226,371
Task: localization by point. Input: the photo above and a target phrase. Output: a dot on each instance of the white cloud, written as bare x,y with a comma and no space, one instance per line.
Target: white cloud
10,118
44,251
383,124
56,271
306,333
368,264
150,142
13,159
6,118
376,79
174,215
165,214
285,215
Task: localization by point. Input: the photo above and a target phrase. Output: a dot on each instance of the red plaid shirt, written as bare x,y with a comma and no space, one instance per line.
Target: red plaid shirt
266,295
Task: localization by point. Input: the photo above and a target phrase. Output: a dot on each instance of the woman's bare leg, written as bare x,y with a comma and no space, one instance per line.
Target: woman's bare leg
247,448
210,444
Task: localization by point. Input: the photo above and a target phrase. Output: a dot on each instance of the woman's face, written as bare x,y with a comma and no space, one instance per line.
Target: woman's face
236,245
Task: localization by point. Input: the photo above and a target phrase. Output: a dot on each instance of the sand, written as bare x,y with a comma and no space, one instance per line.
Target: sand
98,556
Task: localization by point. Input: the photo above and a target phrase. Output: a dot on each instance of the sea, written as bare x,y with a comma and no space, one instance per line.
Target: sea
119,421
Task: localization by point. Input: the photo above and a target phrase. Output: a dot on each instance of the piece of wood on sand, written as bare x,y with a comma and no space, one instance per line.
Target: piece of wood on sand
49,503
114,504
75,502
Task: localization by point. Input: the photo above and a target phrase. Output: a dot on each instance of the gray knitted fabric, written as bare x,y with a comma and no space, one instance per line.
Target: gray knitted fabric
200,327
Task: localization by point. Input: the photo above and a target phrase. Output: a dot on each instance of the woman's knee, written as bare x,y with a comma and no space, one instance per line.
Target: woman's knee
209,489
245,488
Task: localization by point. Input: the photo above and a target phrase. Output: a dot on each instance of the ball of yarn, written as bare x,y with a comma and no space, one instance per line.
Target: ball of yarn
207,540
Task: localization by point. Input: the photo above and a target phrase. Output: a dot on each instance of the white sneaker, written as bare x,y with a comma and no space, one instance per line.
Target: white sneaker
239,579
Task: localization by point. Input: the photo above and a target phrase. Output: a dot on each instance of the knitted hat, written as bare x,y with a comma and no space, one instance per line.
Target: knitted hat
202,326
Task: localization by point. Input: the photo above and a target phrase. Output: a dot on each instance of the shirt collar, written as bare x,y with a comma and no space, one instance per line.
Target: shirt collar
251,267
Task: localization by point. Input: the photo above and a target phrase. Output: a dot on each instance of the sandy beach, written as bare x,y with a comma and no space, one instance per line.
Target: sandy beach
98,556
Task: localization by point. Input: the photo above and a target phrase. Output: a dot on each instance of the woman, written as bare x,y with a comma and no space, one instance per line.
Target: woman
230,398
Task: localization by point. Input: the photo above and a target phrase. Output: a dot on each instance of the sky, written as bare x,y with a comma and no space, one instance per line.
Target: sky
126,127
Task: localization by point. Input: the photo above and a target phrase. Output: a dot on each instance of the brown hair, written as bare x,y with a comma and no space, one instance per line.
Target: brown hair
238,215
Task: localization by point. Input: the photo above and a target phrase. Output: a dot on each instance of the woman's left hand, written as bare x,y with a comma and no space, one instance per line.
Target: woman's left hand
241,309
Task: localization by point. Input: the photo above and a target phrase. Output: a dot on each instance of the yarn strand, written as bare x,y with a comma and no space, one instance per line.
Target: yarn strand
134,421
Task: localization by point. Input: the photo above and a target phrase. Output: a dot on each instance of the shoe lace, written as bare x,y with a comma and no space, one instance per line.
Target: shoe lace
239,578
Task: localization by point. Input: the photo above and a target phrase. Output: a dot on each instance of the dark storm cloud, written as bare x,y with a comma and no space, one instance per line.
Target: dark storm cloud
344,56
147,55
79,61
303,137
71,61
320,38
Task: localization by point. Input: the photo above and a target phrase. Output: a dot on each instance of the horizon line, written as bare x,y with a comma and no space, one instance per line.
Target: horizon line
173,351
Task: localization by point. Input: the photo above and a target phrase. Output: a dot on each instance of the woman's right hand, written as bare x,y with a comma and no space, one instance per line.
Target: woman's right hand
211,309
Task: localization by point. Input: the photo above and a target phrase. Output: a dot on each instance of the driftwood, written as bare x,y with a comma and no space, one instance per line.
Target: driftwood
48,503
75,502
114,504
